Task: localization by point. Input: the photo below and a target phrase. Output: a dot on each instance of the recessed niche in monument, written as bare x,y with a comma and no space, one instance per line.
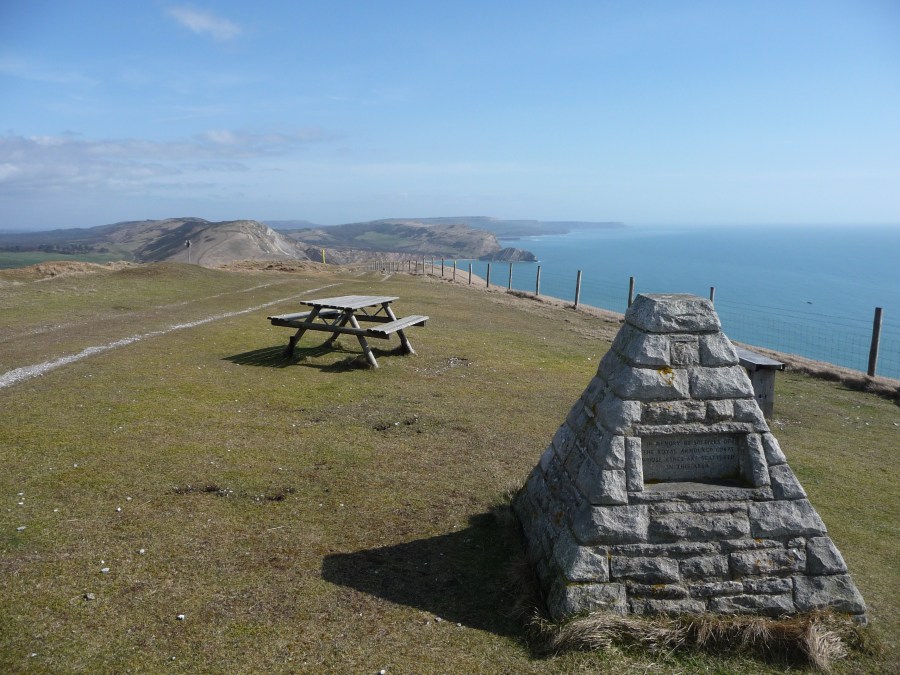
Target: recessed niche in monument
686,458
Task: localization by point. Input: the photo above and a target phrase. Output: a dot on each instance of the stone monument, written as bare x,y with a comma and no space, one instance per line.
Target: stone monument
664,491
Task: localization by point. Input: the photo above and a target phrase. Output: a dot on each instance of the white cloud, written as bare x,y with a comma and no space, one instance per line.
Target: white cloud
37,164
205,23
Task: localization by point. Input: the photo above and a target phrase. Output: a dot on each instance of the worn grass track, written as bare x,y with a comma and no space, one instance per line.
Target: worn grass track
313,516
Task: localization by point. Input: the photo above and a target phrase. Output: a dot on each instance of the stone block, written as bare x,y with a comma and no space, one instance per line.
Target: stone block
716,350
608,450
823,557
565,600
837,592
769,585
617,415
718,411
684,350
672,313
601,486
719,383
663,606
748,410
547,457
757,469
784,518
676,549
595,389
785,484
611,525
580,563
670,591
576,417
698,527
563,439
748,545
774,455
650,384
770,605
634,469
537,490
716,588
767,562
704,567
644,570
573,462
674,412
641,349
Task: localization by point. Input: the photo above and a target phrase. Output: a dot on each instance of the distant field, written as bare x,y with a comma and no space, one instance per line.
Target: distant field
310,516
23,259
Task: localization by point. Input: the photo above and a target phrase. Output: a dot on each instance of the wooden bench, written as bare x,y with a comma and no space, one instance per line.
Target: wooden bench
762,371
385,330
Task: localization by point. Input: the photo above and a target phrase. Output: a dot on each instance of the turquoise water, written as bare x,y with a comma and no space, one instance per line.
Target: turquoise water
805,290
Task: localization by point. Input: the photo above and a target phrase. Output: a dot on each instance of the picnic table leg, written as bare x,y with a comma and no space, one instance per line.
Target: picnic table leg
407,347
295,338
343,322
370,357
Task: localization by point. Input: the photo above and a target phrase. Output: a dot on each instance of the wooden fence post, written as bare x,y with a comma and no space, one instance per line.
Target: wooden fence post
630,290
876,337
442,268
509,283
577,288
712,294
454,270
470,274
537,282
489,275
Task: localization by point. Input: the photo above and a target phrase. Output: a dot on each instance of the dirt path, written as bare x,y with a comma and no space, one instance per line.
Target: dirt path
23,373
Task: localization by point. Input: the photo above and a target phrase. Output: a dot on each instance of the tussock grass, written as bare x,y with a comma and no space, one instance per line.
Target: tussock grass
309,516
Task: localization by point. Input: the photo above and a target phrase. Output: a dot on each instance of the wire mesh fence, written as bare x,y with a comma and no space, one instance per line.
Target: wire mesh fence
840,340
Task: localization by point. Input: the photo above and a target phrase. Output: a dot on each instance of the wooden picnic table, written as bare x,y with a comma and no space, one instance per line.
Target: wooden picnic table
332,315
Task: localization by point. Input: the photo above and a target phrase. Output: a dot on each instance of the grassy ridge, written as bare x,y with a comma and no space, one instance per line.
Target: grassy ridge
309,515
11,259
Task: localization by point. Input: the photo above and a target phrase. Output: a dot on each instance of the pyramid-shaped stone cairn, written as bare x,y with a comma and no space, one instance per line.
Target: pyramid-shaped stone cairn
664,491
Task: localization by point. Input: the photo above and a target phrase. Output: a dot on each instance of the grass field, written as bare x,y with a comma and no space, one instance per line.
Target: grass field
11,260
311,516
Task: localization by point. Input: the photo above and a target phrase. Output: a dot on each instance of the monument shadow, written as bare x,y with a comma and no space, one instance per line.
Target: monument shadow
460,577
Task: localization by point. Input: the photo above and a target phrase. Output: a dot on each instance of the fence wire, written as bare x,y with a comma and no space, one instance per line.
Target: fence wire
840,340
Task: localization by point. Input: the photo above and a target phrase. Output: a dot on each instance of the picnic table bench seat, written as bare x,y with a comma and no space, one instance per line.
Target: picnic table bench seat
398,324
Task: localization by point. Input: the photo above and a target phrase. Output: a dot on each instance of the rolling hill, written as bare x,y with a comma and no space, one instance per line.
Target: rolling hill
213,244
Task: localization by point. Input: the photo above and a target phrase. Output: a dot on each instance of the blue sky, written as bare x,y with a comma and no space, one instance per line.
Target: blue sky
340,111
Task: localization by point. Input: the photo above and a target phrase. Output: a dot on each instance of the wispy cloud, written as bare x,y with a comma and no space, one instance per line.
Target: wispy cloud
34,164
205,23
37,72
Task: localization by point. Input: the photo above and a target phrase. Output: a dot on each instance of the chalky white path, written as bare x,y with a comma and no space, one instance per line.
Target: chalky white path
17,375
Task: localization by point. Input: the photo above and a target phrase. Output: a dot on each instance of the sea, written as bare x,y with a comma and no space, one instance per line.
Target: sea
810,290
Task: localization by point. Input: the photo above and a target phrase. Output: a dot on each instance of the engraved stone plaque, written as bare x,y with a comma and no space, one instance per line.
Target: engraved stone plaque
694,457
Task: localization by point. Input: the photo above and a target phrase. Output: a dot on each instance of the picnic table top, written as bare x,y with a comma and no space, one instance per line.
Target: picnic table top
350,301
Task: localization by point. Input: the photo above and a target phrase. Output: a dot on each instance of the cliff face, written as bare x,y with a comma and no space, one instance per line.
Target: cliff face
450,240
511,255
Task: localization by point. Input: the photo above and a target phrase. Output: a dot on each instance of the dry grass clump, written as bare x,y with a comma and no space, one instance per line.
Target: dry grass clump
815,639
